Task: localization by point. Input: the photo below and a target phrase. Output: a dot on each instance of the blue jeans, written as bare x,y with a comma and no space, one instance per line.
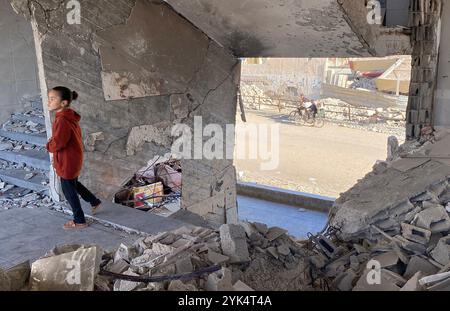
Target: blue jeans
71,189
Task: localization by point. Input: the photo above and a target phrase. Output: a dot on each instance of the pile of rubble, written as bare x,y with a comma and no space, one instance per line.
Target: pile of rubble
364,83
390,120
250,256
242,257
10,195
391,230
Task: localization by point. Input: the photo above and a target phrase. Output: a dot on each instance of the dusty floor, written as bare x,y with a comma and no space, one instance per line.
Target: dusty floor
325,161
298,221
27,234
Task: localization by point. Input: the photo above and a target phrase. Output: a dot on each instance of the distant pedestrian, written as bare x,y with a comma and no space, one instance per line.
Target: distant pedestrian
66,145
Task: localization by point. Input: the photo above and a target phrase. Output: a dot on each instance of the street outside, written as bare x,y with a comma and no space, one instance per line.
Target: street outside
325,161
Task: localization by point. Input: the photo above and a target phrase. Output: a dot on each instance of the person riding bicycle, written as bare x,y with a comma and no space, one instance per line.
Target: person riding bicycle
311,108
301,107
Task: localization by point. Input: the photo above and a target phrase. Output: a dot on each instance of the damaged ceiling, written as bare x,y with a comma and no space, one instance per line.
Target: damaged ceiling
282,28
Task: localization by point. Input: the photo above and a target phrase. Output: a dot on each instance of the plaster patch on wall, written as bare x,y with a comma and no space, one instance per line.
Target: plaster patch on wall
127,85
150,55
159,134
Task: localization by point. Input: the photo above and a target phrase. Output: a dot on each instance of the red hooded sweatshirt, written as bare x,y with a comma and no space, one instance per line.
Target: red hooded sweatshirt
67,144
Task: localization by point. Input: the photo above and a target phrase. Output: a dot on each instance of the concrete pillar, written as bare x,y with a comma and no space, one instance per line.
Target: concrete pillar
442,98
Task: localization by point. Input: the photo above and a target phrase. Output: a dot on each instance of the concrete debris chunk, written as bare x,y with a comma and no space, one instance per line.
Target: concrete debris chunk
184,265
419,264
217,258
125,252
273,251
284,250
6,146
413,284
387,260
127,286
219,281
345,281
5,282
442,251
118,266
274,233
19,276
242,287
411,246
234,243
262,228
434,219
73,271
250,230
179,286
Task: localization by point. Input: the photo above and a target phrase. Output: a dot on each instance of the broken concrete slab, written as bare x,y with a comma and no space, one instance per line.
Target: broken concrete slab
73,271
184,265
411,246
217,258
405,164
435,219
127,286
284,250
442,251
273,251
413,283
262,228
250,230
118,266
367,283
125,252
234,243
179,286
220,281
345,282
19,276
274,233
361,206
417,264
388,259
242,287
6,146
5,282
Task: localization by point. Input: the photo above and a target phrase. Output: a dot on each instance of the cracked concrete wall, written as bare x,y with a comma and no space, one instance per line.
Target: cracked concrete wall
140,68
293,28
376,39
18,71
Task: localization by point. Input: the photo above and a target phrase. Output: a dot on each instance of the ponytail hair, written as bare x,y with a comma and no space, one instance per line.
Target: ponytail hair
66,94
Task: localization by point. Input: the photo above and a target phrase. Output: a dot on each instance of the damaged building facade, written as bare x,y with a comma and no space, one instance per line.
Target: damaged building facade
142,66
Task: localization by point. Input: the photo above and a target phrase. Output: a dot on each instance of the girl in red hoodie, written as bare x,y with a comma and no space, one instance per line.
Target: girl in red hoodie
67,148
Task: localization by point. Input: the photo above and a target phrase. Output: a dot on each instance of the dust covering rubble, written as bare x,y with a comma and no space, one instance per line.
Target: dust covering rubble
12,196
242,257
390,232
